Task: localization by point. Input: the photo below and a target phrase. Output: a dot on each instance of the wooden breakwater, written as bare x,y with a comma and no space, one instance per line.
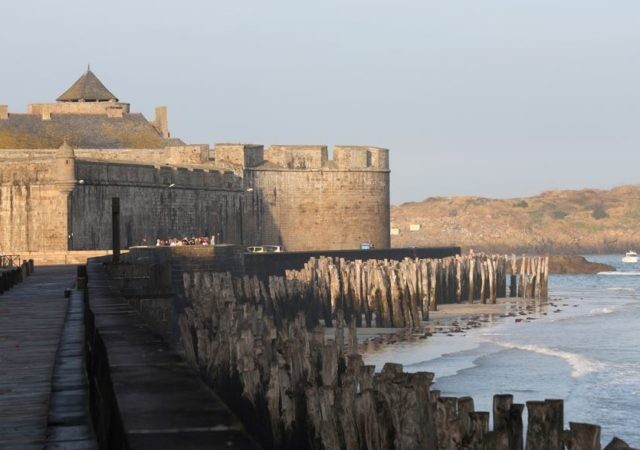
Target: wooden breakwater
387,293
296,389
384,293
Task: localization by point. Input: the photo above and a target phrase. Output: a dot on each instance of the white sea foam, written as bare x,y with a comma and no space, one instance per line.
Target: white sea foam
625,289
580,365
620,274
599,311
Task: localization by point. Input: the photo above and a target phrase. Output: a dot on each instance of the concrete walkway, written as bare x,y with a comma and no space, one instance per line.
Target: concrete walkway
32,316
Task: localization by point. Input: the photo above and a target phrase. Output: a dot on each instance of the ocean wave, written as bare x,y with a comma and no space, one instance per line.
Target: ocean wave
580,365
599,311
625,289
620,274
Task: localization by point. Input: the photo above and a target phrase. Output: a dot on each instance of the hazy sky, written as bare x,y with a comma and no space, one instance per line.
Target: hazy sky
478,97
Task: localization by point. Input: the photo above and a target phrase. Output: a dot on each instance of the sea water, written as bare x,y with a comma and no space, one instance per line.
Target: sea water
585,350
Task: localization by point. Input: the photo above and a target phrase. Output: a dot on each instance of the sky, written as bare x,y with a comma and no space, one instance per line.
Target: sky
496,98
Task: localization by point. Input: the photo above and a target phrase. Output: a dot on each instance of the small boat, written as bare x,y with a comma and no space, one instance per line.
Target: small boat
630,257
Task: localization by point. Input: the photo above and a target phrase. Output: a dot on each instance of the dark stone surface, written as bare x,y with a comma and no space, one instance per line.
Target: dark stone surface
69,422
32,315
143,395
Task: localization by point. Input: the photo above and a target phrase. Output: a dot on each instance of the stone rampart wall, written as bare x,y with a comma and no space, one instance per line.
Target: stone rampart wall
155,203
33,211
188,155
318,209
47,109
32,218
287,195
182,155
302,157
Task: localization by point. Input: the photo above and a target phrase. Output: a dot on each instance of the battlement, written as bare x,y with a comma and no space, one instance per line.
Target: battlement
242,155
165,177
301,157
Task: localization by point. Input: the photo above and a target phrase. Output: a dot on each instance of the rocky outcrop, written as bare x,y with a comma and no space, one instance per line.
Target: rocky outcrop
574,264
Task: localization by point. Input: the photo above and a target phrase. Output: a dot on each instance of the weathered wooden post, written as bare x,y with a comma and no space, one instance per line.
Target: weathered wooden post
582,436
513,285
545,425
115,227
507,421
472,272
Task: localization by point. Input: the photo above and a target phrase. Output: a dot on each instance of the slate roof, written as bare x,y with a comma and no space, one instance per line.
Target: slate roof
29,131
87,88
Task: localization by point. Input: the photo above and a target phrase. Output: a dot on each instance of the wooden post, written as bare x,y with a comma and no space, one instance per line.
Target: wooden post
546,421
472,272
582,436
115,228
513,288
492,281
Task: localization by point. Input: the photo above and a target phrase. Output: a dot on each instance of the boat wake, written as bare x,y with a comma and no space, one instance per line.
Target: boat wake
580,365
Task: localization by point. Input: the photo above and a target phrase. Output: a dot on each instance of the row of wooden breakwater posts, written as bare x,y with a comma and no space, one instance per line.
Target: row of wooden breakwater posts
294,388
397,294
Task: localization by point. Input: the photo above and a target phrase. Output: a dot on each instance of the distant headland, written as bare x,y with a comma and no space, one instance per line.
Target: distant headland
556,222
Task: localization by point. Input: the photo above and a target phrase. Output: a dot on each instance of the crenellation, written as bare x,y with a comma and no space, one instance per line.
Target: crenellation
379,158
350,157
166,177
4,112
238,155
297,156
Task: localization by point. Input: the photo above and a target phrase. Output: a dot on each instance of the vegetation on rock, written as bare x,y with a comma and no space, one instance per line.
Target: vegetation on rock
556,222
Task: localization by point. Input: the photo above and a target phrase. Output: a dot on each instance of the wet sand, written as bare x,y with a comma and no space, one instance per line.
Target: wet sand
455,319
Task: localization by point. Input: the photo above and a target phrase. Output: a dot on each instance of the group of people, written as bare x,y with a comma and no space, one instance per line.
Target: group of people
175,242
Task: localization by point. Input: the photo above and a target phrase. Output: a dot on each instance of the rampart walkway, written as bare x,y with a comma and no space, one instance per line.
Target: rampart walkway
32,316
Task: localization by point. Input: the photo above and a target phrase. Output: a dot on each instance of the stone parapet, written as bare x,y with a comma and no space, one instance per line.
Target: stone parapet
140,175
108,108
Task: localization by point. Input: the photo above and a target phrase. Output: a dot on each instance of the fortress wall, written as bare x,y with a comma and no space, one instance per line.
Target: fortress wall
200,203
242,155
353,157
21,155
97,172
297,156
33,218
182,155
77,108
33,211
318,209
185,155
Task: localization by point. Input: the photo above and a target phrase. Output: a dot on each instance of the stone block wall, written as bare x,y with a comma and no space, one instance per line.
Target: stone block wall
155,203
297,156
33,199
323,209
295,196
241,155
46,109
181,155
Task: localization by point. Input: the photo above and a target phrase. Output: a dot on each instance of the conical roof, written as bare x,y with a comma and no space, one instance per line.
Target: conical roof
88,88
